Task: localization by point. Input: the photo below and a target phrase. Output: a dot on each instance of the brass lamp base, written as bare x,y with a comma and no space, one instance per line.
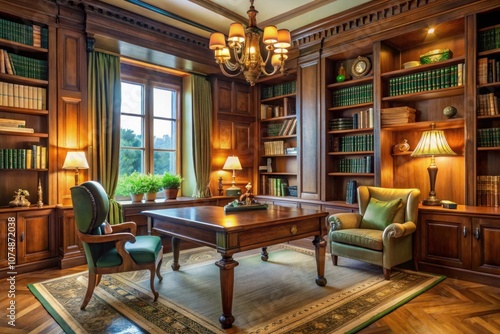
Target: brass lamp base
432,200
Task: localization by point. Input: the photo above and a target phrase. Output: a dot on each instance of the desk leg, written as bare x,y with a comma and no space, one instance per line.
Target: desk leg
226,265
264,256
175,250
320,250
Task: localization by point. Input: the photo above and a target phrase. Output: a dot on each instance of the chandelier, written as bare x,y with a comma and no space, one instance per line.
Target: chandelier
246,49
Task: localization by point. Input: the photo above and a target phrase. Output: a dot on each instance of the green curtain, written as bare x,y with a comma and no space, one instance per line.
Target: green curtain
202,134
104,102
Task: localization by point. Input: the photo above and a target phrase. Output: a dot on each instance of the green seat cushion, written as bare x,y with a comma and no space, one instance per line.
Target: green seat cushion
365,238
143,250
379,214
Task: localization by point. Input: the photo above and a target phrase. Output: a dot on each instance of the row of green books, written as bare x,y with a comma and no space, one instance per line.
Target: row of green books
274,186
29,67
488,137
20,158
29,34
352,95
449,76
356,143
356,165
284,88
22,96
487,190
488,38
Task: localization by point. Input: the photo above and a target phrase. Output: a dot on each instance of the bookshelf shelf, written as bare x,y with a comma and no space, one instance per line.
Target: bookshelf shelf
421,68
350,83
277,98
351,153
426,95
24,111
274,119
5,43
351,174
352,106
24,134
279,155
349,131
278,173
23,80
455,123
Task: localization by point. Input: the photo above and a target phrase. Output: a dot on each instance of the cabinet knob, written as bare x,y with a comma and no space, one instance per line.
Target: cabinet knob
477,233
465,231
22,236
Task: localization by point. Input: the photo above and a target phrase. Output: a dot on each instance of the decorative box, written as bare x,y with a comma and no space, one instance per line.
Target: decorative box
292,191
435,56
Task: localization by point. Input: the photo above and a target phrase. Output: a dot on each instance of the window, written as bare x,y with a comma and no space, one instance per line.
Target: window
150,121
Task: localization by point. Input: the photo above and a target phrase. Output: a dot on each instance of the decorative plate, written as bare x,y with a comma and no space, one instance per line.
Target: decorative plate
361,67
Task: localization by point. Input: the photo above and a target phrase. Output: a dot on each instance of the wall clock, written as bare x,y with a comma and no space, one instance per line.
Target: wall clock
360,67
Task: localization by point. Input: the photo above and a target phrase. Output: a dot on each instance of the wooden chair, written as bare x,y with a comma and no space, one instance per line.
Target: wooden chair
111,248
381,232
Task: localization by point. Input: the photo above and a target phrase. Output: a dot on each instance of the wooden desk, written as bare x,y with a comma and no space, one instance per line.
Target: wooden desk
234,232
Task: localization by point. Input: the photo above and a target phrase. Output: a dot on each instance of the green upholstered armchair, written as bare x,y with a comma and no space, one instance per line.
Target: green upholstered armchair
111,248
381,233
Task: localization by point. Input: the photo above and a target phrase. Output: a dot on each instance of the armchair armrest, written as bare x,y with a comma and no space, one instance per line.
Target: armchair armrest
343,221
130,226
396,230
98,239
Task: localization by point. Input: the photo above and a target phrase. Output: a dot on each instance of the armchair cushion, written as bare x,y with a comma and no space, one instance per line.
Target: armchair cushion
366,238
380,214
143,250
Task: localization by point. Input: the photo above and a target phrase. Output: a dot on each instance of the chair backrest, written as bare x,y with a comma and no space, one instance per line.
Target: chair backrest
410,197
90,205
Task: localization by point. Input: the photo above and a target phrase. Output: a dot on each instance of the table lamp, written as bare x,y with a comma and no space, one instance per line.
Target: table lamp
76,161
432,144
233,163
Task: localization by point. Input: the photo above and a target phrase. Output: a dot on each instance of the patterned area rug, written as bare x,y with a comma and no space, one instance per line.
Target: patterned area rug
277,296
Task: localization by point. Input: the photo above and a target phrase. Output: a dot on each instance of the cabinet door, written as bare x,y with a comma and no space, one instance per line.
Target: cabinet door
71,251
445,240
486,245
35,235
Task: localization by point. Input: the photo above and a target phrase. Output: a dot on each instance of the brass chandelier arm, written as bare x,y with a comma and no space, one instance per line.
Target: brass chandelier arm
227,73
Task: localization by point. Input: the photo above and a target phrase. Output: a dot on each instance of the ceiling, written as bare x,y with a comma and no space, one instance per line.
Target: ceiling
203,17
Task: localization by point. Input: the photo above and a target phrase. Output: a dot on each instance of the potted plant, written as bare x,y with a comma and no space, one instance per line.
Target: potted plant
153,183
132,184
171,184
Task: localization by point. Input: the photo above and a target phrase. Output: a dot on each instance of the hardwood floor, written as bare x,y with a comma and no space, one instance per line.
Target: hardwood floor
453,306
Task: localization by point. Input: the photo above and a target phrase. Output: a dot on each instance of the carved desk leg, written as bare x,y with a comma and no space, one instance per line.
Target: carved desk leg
226,265
175,250
320,250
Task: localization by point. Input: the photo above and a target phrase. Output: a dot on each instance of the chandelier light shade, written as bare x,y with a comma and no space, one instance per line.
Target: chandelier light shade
233,163
76,161
245,45
432,144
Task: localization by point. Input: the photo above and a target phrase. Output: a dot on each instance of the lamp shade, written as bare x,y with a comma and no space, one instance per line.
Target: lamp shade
75,160
232,163
432,143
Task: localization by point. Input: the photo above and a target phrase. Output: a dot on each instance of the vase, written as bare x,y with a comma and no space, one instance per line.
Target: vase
150,196
136,197
170,193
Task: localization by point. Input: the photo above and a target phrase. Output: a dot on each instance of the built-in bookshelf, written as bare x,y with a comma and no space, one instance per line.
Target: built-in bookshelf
350,116
24,125
488,118
278,137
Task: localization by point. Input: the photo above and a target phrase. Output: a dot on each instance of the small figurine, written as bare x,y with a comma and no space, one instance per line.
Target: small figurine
401,147
247,198
219,189
342,73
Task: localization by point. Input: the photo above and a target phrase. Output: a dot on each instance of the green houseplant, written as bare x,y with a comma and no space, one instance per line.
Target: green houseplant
171,184
153,183
133,185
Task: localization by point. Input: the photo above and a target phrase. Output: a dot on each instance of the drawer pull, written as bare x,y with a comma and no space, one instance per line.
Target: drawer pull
22,236
477,233
465,231
293,230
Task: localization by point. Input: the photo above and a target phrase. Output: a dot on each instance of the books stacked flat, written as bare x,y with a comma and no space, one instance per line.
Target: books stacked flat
397,115
341,123
14,125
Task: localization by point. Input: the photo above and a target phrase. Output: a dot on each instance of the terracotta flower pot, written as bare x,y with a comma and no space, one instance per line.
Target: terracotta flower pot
136,197
170,193
150,196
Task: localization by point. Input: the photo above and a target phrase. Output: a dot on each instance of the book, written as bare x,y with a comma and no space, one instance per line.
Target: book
12,122
15,129
2,62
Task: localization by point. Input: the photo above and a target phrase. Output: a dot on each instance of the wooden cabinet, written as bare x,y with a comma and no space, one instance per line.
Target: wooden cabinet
70,251
460,243
349,122
34,232
278,139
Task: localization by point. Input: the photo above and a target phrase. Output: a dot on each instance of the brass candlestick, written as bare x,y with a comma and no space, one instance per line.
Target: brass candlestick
40,195
220,186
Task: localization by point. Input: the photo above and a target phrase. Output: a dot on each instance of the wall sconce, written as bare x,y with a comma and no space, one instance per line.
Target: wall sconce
233,163
432,144
76,161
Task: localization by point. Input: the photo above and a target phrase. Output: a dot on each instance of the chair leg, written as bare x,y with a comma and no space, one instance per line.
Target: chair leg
152,282
387,273
335,259
93,278
98,279
158,273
